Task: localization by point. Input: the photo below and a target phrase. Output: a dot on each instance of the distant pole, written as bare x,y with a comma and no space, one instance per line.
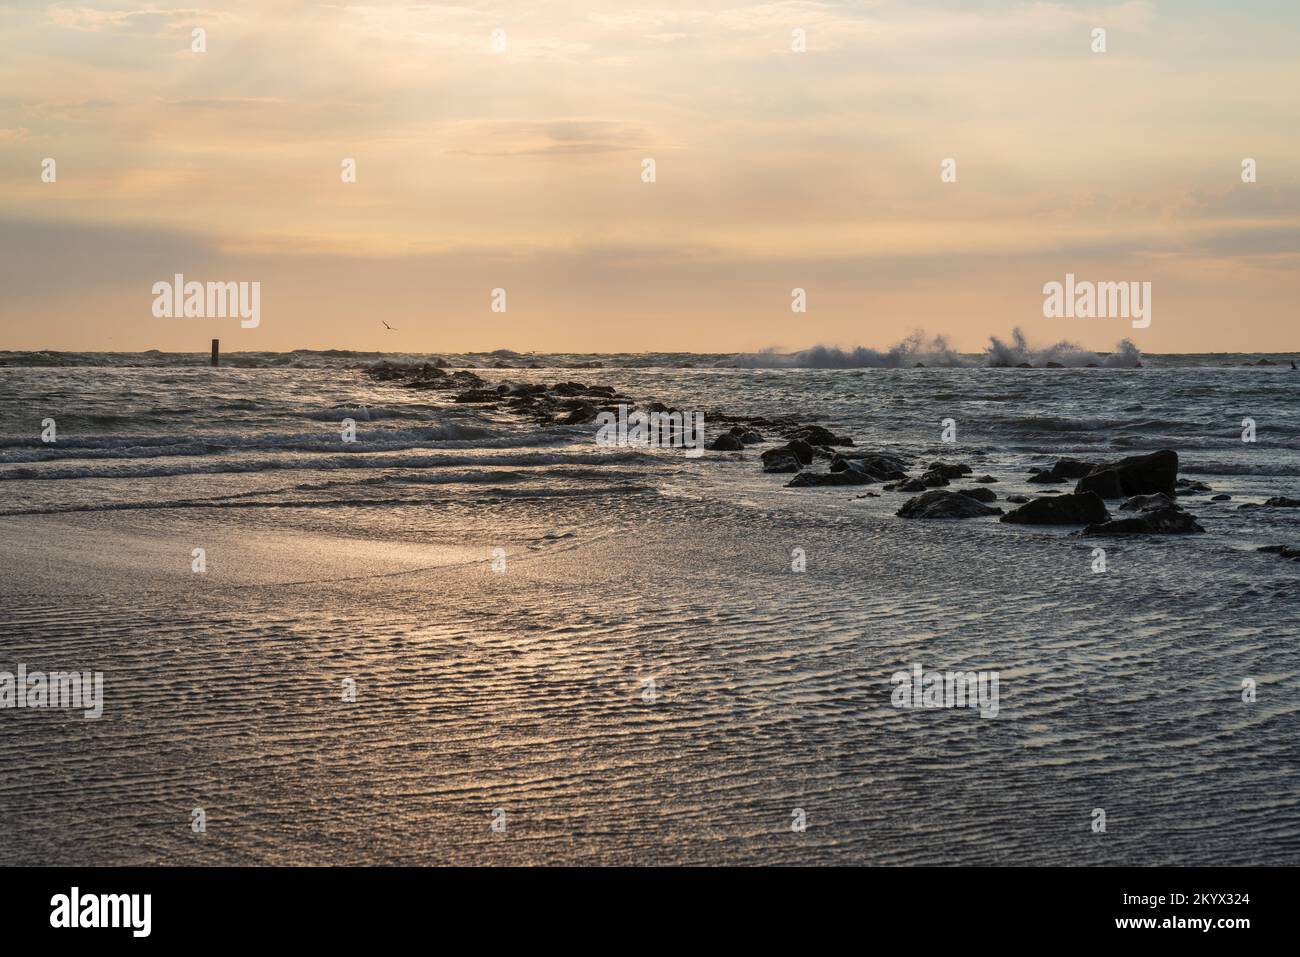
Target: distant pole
216,353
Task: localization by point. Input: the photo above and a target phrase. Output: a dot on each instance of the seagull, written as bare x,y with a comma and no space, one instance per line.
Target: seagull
388,327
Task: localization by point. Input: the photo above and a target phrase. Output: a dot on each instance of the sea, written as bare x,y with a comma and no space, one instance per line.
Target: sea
561,652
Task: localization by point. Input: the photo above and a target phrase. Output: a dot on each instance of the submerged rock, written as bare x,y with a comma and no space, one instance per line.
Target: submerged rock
847,477
911,485
1142,503
1063,470
1286,551
1080,508
781,463
817,435
938,503
1278,501
934,479
798,450
726,442
949,470
979,494
1018,499
882,467
1154,521
986,479
746,435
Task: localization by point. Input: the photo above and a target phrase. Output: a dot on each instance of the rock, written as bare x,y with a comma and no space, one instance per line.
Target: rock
1018,499
847,477
1062,470
1083,508
785,462
950,471
1053,365
816,435
726,442
1136,475
585,412
986,479
934,479
800,451
979,494
940,504
1221,498
911,485
746,435
1155,521
1286,551
1278,501
1105,483
1142,503
882,467
1023,365
1191,485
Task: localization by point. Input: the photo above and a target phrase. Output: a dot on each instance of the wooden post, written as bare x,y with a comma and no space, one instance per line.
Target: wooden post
216,353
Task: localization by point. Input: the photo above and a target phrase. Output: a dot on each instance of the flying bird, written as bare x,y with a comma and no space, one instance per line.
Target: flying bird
388,327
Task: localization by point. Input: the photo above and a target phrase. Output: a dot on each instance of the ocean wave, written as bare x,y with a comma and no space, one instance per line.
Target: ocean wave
934,351
319,463
161,446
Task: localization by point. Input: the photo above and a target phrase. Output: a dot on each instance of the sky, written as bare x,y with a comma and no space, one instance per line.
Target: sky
521,168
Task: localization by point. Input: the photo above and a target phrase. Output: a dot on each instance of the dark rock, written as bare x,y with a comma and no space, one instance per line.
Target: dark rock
746,435
986,479
1286,551
1221,498
848,477
940,504
979,494
1156,521
911,485
801,452
816,435
1136,475
1018,499
934,479
1143,503
1063,469
1278,501
1053,365
883,467
726,442
949,470
785,462
1023,365
1083,508
585,412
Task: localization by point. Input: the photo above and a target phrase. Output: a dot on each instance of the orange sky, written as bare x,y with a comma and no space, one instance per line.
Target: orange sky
521,169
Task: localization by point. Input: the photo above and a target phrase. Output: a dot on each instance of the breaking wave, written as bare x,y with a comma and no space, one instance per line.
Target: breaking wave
934,351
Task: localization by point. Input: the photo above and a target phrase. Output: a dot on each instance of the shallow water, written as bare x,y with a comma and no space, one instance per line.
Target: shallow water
524,690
